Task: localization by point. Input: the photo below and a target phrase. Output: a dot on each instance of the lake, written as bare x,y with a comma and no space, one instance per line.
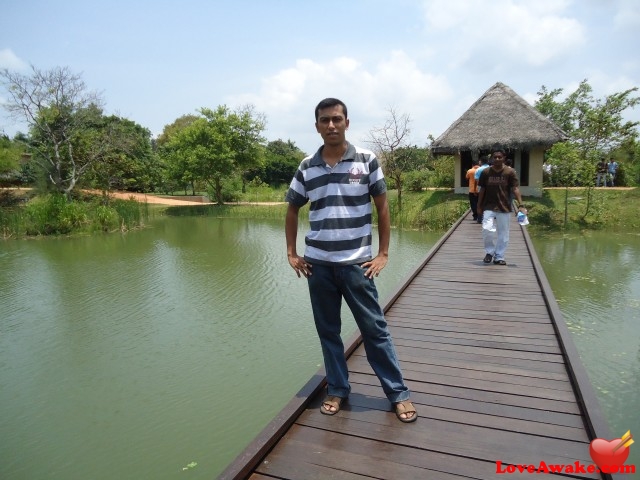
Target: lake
132,356
596,281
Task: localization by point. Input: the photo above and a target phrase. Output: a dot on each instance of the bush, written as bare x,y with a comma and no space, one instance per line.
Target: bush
53,214
106,218
417,180
444,172
540,215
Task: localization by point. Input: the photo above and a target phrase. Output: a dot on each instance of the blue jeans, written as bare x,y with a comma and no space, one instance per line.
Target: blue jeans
327,286
603,177
495,232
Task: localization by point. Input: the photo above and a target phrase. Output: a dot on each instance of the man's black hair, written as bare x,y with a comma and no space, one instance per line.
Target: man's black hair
330,102
498,148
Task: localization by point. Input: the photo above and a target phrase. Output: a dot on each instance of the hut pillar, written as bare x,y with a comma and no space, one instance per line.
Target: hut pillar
459,179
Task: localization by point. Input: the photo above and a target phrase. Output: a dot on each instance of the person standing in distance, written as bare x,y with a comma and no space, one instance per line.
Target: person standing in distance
612,168
601,172
497,184
339,181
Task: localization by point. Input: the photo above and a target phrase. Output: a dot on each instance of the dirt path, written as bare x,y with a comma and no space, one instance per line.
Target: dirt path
143,197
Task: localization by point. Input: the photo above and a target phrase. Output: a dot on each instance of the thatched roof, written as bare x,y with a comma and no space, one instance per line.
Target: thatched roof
500,116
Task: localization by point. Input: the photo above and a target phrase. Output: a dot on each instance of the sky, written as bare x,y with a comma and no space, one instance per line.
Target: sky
155,61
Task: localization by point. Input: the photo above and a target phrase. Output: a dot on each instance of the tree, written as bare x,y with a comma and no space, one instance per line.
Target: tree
569,169
595,126
178,172
131,163
61,115
628,156
10,154
596,129
218,145
170,130
390,143
282,161
247,142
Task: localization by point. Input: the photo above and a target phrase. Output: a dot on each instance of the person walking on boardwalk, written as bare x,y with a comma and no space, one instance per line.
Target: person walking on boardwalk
339,181
473,189
497,183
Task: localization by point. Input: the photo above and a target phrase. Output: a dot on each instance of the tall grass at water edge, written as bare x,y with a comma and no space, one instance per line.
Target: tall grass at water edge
53,214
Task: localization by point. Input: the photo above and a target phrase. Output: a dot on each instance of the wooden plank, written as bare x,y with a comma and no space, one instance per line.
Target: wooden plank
485,385
508,343
465,325
359,363
500,398
514,336
410,354
483,351
459,439
345,456
514,418
504,312
427,360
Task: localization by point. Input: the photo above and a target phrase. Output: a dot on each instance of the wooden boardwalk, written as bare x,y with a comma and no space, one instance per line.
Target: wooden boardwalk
493,372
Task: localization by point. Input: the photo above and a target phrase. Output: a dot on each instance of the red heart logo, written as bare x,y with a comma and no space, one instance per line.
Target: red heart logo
602,453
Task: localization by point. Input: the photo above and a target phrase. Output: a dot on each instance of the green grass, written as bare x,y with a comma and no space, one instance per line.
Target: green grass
587,209
230,210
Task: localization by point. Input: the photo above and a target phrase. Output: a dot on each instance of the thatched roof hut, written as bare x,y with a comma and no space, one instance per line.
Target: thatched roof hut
501,117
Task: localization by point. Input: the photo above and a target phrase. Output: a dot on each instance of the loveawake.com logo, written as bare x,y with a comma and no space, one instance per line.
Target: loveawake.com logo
608,457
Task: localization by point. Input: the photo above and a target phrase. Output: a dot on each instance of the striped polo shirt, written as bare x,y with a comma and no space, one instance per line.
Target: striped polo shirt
340,208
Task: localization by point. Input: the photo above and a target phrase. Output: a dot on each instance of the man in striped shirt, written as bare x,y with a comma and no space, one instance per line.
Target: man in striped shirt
339,181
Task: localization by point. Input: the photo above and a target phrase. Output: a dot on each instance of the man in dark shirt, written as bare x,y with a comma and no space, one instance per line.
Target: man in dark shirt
497,183
601,170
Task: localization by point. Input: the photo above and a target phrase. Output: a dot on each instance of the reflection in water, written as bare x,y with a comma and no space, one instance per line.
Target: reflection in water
596,281
130,356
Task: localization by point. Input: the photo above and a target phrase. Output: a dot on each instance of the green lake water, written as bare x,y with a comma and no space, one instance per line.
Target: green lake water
595,278
132,356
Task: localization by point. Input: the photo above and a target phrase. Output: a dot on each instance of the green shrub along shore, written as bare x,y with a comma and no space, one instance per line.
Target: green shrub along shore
559,209
25,215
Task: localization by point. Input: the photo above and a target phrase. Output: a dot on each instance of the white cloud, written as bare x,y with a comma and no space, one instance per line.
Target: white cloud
628,16
604,84
288,97
533,33
11,61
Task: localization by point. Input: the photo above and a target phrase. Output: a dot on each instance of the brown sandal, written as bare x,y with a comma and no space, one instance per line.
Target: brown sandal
331,402
406,407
